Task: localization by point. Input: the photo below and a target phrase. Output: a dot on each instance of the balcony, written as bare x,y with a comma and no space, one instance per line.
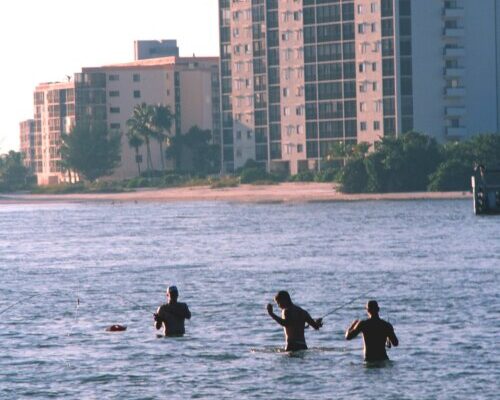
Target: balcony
453,32
456,72
454,52
453,13
459,132
454,92
454,112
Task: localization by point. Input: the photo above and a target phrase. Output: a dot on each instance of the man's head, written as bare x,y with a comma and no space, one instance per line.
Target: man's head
172,293
283,299
372,307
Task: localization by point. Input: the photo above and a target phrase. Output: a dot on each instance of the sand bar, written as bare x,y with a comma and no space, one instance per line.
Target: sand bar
296,192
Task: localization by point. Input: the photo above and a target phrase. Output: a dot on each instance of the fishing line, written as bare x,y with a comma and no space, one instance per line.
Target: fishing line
17,302
346,304
135,304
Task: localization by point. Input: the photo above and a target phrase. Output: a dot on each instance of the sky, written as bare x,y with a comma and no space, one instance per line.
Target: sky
45,40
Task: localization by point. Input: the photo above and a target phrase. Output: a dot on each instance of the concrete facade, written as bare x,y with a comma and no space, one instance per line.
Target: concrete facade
297,76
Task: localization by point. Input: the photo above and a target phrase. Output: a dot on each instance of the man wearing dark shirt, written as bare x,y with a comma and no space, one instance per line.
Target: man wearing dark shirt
172,315
376,333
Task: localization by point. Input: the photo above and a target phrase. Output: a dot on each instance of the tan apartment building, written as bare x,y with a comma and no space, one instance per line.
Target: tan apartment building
54,114
297,76
189,85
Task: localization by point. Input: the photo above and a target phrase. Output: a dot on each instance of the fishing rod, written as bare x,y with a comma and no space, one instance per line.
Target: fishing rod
135,304
346,304
16,303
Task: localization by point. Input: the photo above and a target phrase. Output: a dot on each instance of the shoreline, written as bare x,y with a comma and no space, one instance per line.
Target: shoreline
289,192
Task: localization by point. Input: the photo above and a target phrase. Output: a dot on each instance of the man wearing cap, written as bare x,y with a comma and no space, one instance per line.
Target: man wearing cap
172,314
293,320
376,333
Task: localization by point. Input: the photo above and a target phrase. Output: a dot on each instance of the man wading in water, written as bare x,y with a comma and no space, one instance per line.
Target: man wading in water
172,314
293,320
376,333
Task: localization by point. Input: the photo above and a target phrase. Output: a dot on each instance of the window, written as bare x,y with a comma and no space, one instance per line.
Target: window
286,111
376,125
373,7
362,106
238,135
286,92
114,77
362,126
374,66
114,93
300,148
375,86
136,77
114,126
114,110
249,134
137,94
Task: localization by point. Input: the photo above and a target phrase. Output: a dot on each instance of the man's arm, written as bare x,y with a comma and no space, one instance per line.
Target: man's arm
187,313
158,319
315,323
281,321
353,330
393,339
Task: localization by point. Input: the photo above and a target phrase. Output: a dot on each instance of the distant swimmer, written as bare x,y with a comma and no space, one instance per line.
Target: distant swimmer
376,333
293,320
172,314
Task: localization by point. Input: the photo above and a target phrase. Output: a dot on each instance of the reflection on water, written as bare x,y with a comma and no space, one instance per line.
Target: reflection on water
432,266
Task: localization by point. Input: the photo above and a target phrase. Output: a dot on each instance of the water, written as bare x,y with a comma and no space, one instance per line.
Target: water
432,266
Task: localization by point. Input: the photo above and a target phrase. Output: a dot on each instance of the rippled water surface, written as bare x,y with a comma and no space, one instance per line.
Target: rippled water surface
432,265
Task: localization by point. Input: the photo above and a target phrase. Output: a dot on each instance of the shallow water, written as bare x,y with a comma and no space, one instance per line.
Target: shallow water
432,265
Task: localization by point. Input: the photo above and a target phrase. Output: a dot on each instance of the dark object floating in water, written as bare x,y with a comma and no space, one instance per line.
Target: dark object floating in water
486,190
116,328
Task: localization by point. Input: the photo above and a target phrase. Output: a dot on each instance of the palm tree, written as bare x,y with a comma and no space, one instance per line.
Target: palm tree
136,141
162,123
141,124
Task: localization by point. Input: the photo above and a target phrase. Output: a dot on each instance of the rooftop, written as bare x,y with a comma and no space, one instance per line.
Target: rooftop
156,63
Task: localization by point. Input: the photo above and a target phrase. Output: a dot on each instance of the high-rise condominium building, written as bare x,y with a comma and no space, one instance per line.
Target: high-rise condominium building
54,114
145,49
27,141
299,75
188,85
57,106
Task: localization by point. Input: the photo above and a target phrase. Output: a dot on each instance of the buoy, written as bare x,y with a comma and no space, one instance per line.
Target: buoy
116,328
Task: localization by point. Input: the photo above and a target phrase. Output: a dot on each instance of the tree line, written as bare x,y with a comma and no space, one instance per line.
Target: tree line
92,150
415,162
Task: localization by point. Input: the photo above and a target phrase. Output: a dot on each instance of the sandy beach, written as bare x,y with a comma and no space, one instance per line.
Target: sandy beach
296,192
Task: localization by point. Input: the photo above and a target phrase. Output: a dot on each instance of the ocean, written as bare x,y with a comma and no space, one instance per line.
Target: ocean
68,271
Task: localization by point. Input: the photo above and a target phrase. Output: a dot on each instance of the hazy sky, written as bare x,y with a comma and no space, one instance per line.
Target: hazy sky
45,40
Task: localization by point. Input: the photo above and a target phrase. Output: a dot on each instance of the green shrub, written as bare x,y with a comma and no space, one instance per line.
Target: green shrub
327,175
452,175
354,177
304,176
225,182
253,174
64,188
